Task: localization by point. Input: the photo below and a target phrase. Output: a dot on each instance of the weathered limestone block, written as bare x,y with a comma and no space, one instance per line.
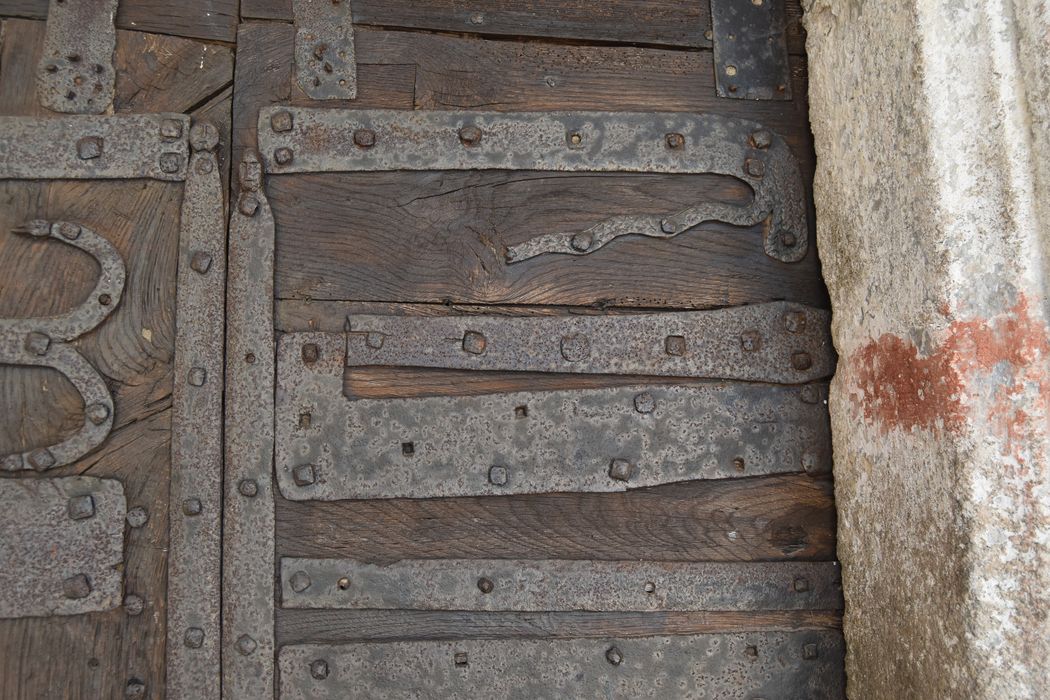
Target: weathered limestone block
932,125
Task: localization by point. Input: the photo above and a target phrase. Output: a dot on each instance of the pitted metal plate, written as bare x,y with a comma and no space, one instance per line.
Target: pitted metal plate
61,546
121,146
325,65
599,440
195,542
248,516
549,585
750,47
44,342
778,342
297,140
76,73
805,664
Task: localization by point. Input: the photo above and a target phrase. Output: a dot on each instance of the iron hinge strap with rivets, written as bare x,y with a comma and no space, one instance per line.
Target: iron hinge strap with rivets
325,61
76,73
750,49
303,140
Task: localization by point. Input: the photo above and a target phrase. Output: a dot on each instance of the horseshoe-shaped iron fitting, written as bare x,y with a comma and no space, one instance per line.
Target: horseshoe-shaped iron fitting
45,342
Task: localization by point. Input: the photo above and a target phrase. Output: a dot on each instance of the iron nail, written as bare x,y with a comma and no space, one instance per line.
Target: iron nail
248,487
474,342
299,581
809,652
134,605
364,138
470,135
739,464
675,141
788,239
311,353
247,204
38,343
801,585
193,638
498,475
171,128
137,516
751,341
281,121
620,469
170,162
41,459
80,507
614,656
674,345
650,587
575,347
795,321
485,585
460,658
246,645
283,156
374,340
668,226
200,262
76,587
754,167
582,241
69,230
751,650
90,147
809,462
761,139
192,506
319,669
197,376
644,402
304,475
801,361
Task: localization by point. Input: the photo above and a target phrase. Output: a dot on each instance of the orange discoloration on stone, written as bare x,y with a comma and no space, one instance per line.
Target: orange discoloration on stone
895,387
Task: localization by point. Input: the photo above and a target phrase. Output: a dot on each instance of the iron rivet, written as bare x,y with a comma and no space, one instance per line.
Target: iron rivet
582,241
485,585
751,341
739,464
575,347
76,587
134,605
69,230
299,581
38,343
364,138
135,689
498,475
41,459
197,376
193,638
674,345
751,650
200,262
809,652
809,394
408,448
668,226
761,139
80,507
304,475
795,321
319,669
281,121
248,487
474,342
283,156
575,139
343,583
620,469
90,147
614,656
644,402
675,141
171,128
650,587
11,463
192,506
460,658
754,167
246,645
170,162
788,239
137,516
374,340
801,361
477,18
104,299
470,135
730,69
801,585
809,462
205,166
311,353
248,204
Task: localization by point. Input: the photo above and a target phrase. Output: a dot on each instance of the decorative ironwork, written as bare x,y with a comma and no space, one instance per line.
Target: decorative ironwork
76,73
325,64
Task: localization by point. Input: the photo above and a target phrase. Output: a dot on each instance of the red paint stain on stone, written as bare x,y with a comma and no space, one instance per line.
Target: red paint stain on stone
897,388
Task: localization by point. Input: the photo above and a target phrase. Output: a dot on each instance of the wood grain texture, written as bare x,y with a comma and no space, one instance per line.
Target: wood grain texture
334,626
673,23
760,519
98,654
199,19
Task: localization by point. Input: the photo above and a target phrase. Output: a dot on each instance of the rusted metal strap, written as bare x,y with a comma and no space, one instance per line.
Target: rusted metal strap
551,585
803,664
777,342
325,65
61,545
46,342
297,140
750,47
123,146
195,546
610,439
248,532
76,73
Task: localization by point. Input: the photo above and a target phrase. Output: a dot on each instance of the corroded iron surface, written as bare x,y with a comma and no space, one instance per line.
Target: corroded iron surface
46,342
325,65
542,585
610,439
805,664
61,545
195,546
778,342
248,531
76,73
750,48
296,140
123,146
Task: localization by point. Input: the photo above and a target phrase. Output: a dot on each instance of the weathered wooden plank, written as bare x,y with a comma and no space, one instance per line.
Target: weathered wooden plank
319,626
158,73
199,19
761,519
678,23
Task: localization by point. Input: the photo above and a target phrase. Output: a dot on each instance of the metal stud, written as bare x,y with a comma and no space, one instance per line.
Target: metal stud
135,689
299,581
76,587
248,487
761,139
248,204
281,121
668,226
197,376
304,475
319,669
470,135
38,343
80,507
97,413
801,585
69,230
170,162
674,345
675,141
200,262
283,156
644,402
498,476
192,506
364,138
134,605
171,128
193,638
460,658
620,469
485,585
474,342
137,516
614,656
801,361
795,321
751,341
754,167
809,652
246,645
311,353
582,241
575,347
89,147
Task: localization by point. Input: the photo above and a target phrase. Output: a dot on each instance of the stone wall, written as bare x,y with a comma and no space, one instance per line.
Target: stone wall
933,207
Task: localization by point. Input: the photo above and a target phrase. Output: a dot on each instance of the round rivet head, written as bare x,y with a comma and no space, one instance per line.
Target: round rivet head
675,141
498,476
644,402
248,487
137,516
795,321
319,669
809,462
80,507
193,638
192,506
134,605
810,652
474,342
248,204
204,137
364,138
246,645
754,167
650,587
97,413
485,585
470,135
801,585
582,241
76,587
197,376
668,226
283,156
801,361
299,581
575,347
614,656
739,464
200,262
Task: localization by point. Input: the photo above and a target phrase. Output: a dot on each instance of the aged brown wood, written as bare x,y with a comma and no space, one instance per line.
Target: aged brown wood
675,23
304,626
761,519
95,656
199,19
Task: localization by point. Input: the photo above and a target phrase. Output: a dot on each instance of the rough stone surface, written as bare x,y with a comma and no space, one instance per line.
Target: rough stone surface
932,194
